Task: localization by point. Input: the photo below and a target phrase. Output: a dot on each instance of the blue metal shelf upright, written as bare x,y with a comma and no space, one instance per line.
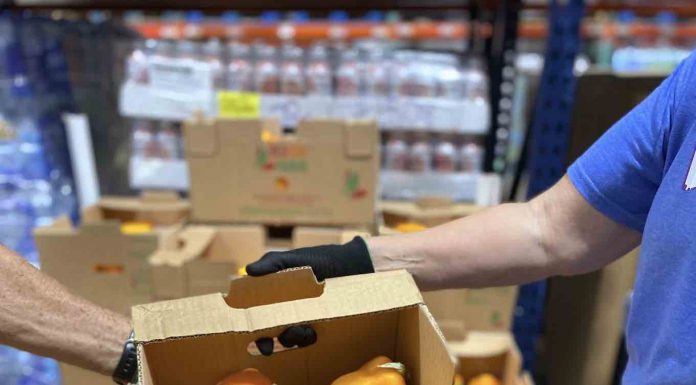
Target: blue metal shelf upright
548,147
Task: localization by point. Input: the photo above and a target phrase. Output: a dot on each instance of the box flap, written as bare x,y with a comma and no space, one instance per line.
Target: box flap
61,225
102,227
148,201
210,314
200,137
188,245
91,214
321,130
482,344
159,196
428,208
360,139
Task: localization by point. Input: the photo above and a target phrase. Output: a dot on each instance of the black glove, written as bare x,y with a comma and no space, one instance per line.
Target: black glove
300,336
326,261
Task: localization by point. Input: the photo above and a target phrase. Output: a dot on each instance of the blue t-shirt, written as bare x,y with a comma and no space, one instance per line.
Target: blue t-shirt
642,173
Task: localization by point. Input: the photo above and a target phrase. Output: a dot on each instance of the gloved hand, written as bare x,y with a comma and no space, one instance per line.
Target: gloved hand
326,261
300,336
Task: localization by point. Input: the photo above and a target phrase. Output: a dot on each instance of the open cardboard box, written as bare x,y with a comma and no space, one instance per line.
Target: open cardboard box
158,208
427,212
488,309
248,171
477,352
99,262
202,259
201,340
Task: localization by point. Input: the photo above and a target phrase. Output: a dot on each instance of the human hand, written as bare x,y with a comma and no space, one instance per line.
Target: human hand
326,261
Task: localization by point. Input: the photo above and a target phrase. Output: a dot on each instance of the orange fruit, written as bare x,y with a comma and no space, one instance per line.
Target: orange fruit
246,377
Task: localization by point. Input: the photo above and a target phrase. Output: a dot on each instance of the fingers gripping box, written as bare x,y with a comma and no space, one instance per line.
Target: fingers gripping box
200,340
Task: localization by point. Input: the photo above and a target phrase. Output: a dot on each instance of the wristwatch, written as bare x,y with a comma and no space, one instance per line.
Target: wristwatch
127,367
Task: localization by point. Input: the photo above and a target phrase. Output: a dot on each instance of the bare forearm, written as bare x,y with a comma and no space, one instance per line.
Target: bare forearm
495,247
557,233
39,315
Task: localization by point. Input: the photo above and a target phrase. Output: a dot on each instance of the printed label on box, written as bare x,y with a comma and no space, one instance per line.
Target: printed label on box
244,105
180,75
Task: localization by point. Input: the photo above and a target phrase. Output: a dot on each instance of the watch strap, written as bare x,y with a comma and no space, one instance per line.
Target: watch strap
127,368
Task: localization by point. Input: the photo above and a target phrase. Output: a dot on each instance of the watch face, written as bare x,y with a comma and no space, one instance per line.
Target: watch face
127,368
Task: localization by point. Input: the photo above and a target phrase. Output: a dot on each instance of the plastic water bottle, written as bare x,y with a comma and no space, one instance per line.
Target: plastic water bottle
8,149
32,159
318,72
666,52
212,54
16,222
240,71
143,139
11,370
624,58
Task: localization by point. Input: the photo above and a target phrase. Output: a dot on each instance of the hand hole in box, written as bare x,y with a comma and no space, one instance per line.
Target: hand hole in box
294,337
108,268
285,286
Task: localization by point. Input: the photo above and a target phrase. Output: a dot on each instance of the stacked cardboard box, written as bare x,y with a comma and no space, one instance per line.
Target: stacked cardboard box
489,309
203,259
476,321
249,180
105,259
248,171
479,353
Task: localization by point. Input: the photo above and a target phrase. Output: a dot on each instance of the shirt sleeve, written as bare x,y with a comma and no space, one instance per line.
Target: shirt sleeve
621,172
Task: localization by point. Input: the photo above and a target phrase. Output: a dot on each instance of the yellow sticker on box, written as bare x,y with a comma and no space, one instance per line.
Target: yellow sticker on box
233,104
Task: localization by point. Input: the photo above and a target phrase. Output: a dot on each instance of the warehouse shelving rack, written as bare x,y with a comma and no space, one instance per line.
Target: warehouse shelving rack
496,23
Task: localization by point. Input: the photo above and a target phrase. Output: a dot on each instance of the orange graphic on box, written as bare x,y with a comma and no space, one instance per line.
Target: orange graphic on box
282,157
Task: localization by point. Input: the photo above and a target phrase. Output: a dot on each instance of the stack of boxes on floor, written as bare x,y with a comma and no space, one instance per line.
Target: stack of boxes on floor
475,322
255,189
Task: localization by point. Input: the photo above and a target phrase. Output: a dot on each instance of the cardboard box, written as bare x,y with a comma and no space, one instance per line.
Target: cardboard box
487,309
203,339
427,212
159,208
247,171
203,259
72,375
585,320
494,353
100,263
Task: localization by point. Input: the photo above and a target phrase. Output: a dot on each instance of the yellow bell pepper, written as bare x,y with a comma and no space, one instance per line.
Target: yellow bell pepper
246,377
378,371
458,380
484,379
410,227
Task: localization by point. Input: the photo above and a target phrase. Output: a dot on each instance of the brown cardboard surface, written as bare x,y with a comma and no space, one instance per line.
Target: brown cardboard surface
326,174
427,212
203,259
158,208
356,319
316,236
585,318
495,353
98,261
478,309
72,375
